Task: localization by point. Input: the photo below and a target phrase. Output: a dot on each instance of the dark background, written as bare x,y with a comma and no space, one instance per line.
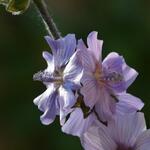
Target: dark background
124,25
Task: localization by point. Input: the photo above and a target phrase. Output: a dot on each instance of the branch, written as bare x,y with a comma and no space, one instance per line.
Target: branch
50,25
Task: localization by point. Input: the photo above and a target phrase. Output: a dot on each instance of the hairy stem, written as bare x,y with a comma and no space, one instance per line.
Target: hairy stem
49,23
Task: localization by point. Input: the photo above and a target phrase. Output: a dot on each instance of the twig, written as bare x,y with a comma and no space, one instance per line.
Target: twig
50,25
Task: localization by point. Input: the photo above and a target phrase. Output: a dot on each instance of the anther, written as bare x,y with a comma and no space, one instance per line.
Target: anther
114,77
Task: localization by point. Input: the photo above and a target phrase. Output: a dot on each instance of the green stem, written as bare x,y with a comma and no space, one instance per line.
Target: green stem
50,25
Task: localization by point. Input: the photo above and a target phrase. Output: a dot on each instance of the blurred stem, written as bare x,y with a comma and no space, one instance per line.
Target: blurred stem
48,20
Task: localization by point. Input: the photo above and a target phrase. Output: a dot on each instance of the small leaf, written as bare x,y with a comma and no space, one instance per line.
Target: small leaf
16,7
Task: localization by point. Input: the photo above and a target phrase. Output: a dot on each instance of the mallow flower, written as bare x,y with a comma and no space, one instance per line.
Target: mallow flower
105,82
126,132
61,77
103,89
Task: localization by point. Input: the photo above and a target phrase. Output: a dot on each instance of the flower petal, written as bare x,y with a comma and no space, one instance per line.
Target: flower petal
95,45
116,63
97,138
62,49
81,45
73,71
50,113
128,103
46,102
90,140
63,112
106,106
50,61
125,129
113,62
90,90
130,74
67,100
143,141
112,67
86,58
67,97
77,124
42,100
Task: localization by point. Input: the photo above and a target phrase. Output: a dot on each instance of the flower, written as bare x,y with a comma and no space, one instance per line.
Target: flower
61,77
104,88
105,83
124,133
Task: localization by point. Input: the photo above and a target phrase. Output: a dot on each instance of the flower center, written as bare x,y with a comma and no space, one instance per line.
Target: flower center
122,147
97,73
58,77
102,78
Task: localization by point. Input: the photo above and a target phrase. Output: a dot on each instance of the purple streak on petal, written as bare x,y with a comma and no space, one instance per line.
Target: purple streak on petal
57,103
95,45
106,106
62,49
125,129
76,125
112,64
42,100
128,103
74,70
90,90
50,113
129,74
71,85
143,141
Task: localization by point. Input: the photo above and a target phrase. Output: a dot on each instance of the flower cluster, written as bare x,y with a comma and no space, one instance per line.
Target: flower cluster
90,95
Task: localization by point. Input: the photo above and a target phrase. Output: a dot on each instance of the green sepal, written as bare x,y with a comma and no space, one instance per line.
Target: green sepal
16,7
80,104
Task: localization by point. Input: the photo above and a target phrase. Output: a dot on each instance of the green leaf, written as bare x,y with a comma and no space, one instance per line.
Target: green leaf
16,7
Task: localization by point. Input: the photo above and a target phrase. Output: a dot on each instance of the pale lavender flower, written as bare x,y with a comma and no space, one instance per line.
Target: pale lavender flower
124,133
105,83
61,77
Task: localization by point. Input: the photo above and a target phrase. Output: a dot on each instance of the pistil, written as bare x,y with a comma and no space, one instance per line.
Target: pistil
46,77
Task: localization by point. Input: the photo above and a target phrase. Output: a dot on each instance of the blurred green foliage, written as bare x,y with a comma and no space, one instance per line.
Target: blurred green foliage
124,25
